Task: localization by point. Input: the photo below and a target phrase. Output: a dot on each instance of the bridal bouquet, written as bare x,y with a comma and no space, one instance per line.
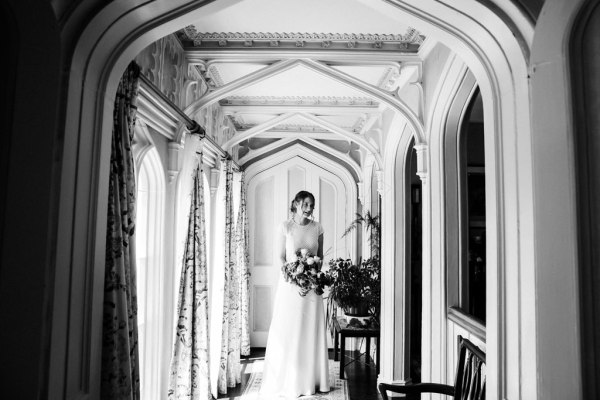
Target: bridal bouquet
305,272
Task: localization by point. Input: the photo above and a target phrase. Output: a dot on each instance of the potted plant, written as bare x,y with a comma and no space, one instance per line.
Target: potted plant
355,288
373,227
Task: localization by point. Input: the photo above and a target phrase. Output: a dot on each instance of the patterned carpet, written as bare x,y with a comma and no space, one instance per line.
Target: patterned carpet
339,387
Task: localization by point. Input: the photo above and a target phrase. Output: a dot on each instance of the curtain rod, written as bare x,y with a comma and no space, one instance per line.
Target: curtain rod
199,131
192,126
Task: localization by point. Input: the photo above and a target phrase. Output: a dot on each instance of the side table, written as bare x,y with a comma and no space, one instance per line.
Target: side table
343,331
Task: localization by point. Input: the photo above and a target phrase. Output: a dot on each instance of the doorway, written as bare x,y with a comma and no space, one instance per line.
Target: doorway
270,191
414,251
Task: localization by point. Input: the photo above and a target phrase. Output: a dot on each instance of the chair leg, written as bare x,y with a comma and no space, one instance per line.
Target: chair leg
342,355
335,346
377,356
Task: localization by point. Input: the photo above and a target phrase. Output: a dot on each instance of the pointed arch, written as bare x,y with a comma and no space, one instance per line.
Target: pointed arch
356,169
300,151
254,131
104,45
152,324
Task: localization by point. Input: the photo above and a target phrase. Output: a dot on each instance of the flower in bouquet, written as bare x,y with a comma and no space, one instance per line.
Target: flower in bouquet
305,272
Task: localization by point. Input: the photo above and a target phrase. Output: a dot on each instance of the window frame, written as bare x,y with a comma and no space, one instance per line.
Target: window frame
456,217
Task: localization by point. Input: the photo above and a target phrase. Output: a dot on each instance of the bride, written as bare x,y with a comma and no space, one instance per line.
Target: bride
296,358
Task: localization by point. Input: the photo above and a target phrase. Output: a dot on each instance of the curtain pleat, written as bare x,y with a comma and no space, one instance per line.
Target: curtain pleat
120,361
229,366
190,375
242,265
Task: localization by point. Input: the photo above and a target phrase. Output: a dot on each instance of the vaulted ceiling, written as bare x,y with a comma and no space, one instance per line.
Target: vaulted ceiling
337,58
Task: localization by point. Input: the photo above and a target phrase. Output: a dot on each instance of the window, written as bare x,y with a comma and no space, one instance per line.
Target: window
472,204
465,218
141,243
149,269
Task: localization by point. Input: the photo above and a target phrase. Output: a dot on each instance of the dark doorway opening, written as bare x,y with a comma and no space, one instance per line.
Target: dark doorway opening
414,262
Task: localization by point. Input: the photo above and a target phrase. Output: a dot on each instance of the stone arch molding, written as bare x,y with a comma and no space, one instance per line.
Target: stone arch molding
298,150
104,47
356,169
257,130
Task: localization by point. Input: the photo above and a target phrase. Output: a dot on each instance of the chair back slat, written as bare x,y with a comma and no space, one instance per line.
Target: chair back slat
470,372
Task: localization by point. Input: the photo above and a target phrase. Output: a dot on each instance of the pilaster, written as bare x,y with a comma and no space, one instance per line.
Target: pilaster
175,161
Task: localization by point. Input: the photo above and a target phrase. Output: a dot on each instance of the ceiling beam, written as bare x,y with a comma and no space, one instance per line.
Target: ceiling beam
369,124
231,109
257,130
389,98
386,97
200,57
238,84
275,134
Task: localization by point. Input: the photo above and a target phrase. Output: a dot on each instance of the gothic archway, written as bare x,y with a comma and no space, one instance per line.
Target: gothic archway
497,61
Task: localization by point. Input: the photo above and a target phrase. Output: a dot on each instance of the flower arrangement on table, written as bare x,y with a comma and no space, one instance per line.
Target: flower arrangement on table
305,272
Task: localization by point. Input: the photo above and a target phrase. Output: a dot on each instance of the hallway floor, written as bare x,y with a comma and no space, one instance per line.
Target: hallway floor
362,380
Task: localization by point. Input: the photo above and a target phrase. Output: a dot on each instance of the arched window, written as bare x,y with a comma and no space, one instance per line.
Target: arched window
465,213
149,262
472,199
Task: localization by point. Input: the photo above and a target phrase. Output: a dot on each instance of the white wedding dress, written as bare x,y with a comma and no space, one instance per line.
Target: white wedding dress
296,359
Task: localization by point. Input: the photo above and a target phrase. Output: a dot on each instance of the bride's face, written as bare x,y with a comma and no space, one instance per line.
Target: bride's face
305,208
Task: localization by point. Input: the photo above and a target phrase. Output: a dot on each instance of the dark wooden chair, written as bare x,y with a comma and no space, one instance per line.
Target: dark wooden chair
469,383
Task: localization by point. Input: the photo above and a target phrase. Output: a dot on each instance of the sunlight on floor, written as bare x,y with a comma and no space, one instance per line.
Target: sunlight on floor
255,367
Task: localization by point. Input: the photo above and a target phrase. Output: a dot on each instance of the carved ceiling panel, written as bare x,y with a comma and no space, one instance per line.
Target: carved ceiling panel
399,43
322,107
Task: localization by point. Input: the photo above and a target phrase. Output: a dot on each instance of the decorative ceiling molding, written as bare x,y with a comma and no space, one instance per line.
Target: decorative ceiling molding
300,100
215,75
300,128
359,124
279,67
272,109
369,123
390,79
409,42
411,36
273,134
258,129
389,98
241,127
266,56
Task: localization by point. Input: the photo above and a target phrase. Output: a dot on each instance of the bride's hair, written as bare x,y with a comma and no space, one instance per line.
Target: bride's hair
300,196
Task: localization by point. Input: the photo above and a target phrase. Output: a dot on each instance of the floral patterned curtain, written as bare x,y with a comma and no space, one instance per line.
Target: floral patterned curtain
120,363
190,376
229,367
242,266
